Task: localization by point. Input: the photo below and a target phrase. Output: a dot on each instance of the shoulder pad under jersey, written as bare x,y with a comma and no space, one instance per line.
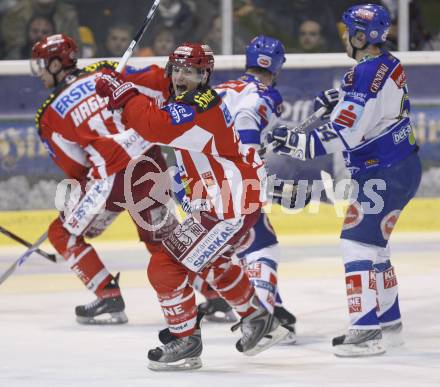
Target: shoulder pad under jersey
370,75
42,109
274,100
133,70
203,99
100,65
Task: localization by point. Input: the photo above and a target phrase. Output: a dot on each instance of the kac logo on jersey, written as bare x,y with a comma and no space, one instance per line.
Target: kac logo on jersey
180,113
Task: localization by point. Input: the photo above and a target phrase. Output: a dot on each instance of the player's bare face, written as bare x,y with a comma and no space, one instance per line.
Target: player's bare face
185,79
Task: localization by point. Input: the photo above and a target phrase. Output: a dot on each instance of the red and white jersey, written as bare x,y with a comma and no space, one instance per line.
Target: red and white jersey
74,117
220,175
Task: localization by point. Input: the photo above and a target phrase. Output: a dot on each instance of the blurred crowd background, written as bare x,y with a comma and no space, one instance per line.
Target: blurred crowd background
104,28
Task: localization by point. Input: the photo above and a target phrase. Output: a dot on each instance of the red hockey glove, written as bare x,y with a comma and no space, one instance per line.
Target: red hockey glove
112,84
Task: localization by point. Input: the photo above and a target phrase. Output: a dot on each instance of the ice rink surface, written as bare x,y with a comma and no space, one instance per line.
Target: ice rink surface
42,345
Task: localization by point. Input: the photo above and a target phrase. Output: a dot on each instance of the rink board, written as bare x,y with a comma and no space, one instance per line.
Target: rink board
420,215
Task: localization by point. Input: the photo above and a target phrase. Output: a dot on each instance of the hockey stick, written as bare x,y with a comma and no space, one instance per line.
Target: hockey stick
15,237
23,258
129,52
300,128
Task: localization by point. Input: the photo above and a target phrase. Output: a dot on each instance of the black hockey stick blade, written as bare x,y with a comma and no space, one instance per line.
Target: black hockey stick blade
15,237
22,258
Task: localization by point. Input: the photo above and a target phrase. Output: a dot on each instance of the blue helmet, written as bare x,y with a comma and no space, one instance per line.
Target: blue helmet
371,19
265,52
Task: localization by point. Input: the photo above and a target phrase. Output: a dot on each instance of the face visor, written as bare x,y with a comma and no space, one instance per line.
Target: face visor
37,66
186,71
185,77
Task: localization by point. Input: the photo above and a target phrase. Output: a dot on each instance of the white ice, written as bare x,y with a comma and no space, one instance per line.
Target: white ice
42,345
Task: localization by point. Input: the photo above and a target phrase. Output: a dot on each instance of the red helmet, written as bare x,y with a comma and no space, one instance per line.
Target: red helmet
195,55
57,46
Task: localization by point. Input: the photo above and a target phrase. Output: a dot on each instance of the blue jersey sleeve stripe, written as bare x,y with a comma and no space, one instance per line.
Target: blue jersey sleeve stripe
358,101
249,136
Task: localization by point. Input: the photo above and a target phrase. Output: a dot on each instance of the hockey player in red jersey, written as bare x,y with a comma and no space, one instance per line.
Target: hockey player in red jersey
256,105
69,123
225,187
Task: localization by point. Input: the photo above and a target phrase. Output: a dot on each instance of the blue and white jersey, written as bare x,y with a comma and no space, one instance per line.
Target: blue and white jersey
255,107
370,124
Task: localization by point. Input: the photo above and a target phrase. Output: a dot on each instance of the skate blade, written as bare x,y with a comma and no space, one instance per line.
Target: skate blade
392,340
191,363
222,318
369,348
268,341
104,319
289,339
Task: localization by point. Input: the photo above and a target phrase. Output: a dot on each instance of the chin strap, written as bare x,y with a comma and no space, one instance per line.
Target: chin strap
355,49
54,75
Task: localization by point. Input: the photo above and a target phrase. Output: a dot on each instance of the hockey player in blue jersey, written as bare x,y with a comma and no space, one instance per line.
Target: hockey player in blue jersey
255,105
370,124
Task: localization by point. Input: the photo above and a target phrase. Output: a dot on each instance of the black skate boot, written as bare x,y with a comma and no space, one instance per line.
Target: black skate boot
260,330
217,310
288,321
359,343
107,309
177,354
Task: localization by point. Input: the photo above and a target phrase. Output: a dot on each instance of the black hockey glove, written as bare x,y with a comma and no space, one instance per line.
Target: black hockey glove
328,99
289,142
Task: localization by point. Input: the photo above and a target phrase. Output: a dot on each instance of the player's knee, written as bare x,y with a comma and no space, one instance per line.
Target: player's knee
58,236
262,268
165,274
269,254
225,274
358,251
153,247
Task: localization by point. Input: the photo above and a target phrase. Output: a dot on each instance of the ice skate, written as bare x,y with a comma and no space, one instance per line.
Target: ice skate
288,321
260,330
217,310
392,335
359,343
108,309
176,354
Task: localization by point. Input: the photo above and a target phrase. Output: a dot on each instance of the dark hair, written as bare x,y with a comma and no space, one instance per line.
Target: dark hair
36,17
259,70
121,26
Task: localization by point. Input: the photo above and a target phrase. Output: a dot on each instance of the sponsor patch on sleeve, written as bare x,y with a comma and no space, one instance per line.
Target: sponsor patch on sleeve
398,76
179,113
347,114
